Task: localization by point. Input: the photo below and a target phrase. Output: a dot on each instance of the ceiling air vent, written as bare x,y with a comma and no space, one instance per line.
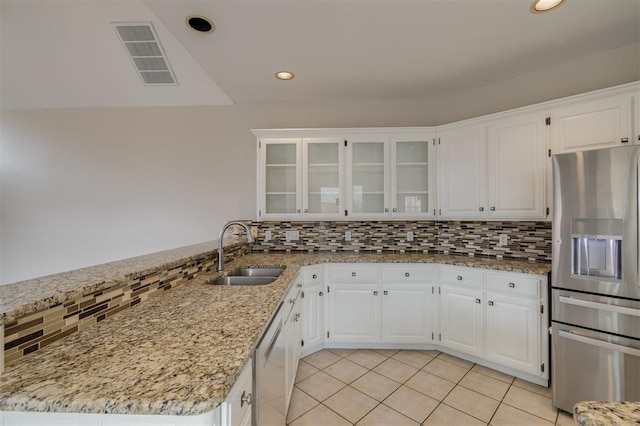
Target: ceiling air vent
147,55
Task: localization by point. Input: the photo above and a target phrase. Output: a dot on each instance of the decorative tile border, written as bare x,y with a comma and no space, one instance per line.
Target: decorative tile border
33,332
527,240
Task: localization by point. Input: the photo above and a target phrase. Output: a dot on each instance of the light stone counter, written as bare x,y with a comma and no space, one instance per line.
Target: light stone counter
179,353
599,413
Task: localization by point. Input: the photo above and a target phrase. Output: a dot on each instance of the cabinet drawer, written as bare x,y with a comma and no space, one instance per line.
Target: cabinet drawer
514,284
313,276
407,273
461,276
354,274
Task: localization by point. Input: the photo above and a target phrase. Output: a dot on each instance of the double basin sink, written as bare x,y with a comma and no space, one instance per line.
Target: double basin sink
249,276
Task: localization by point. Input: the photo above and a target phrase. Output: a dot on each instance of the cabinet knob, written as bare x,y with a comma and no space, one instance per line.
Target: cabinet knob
493,209
478,301
459,277
385,292
314,276
306,210
297,210
512,285
296,318
386,210
481,209
375,293
353,274
490,303
395,210
321,293
246,398
292,301
406,274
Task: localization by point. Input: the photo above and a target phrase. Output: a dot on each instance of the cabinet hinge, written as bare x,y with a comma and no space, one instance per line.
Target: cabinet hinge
438,141
327,334
547,211
301,342
260,213
432,336
346,212
439,290
434,212
549,153
434,141
542,367
433,290
328,289
439,336
547,121
542,309
302,294
259,144
345,142
439,212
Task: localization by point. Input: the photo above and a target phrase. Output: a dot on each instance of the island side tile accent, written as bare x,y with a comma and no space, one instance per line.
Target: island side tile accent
528,240
33,332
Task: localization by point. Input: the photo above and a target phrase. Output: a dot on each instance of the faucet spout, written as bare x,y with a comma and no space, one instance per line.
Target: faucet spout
221,237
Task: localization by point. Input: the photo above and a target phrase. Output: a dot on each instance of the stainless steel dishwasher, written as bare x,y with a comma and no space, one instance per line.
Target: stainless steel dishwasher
269,369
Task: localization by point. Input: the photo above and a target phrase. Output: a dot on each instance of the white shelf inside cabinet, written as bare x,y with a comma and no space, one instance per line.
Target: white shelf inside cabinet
413,164
281,165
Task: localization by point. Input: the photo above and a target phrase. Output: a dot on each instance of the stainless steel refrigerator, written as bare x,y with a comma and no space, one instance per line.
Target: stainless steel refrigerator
595,287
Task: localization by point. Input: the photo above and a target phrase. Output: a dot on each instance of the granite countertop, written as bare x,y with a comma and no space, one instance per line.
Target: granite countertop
599,413
179,353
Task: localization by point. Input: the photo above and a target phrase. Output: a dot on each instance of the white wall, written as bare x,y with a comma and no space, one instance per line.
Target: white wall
86,186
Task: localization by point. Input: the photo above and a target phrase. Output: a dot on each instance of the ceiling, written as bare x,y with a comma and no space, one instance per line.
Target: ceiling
65,53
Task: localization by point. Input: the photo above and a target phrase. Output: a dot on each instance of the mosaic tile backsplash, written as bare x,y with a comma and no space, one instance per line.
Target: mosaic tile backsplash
526,240
33,332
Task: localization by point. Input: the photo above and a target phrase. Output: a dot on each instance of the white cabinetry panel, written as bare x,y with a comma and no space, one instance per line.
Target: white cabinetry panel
462,320
591,125
354,313
461,173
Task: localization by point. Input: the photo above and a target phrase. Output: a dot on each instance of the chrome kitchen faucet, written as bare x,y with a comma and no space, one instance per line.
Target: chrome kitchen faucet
221,237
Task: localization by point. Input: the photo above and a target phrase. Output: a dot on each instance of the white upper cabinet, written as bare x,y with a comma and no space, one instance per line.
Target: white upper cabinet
591,125
413,175
516,167
280,171
494,170
322,166
461,172
368,176
636,126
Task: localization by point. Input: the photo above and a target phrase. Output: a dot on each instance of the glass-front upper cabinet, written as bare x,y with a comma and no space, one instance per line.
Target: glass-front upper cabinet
413,170
367,176
281,177
323,164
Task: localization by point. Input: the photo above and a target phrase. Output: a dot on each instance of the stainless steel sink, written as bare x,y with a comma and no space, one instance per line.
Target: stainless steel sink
242,280
257,272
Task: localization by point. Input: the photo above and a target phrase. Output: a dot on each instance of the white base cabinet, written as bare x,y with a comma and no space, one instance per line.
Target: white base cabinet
313,309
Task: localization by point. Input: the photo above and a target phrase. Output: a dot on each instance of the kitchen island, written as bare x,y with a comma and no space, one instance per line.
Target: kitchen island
179,353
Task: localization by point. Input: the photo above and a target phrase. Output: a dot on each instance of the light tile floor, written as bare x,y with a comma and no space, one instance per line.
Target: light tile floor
390,387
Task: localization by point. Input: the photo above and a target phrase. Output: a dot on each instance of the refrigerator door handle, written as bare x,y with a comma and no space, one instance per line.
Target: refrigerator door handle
603,306
599,343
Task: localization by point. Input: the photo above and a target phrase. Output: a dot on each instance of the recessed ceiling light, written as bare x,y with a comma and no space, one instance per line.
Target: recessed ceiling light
285,75
540,6
200,23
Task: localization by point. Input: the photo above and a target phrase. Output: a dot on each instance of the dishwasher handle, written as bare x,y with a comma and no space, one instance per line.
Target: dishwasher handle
273,342
599,343
602,306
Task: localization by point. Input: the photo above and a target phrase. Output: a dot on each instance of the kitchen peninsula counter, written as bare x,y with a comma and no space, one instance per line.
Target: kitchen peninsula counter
181,352
602,413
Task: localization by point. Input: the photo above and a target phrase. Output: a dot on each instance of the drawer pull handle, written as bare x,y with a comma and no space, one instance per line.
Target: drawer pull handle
490,303
246,398
375,293
314,276
406,274
512,285
353,274
459,277
478,301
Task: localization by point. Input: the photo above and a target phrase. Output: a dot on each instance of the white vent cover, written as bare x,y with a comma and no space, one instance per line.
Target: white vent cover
147,55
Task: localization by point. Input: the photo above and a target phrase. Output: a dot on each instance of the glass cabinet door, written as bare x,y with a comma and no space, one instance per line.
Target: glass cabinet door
281,177
412,178
367,178
323,160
